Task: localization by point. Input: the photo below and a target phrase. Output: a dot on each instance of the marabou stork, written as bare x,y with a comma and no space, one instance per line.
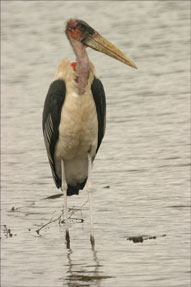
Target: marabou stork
74,114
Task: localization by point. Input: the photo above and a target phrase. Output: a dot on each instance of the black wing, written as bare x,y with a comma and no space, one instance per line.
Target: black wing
51,120
100,102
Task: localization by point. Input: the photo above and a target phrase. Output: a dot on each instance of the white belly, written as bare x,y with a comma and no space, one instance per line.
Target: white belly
78,135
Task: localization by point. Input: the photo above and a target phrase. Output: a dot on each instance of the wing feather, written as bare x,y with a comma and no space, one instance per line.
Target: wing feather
51,120
100,102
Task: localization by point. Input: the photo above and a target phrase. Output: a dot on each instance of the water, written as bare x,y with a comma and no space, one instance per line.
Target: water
143,161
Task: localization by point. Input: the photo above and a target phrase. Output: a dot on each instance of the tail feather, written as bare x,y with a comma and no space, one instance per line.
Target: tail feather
71,190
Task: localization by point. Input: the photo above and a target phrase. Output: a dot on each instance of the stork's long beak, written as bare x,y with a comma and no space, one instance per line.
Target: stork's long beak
99,43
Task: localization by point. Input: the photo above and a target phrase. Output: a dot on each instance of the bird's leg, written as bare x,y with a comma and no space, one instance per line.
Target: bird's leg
90,199
64,190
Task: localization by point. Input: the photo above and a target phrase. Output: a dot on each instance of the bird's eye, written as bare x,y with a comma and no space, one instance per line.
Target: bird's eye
81,26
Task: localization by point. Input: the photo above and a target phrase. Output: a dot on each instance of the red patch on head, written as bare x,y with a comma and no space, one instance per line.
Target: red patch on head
70,24
73,30
73,64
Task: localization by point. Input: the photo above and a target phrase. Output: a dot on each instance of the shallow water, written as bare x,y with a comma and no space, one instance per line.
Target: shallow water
141,174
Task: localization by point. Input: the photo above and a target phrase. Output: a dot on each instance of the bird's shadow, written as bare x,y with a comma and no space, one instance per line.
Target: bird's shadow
79,274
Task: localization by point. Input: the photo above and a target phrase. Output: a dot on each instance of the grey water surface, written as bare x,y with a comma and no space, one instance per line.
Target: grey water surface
141,175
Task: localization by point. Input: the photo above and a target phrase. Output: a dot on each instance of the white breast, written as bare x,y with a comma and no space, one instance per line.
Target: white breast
78,133
78,127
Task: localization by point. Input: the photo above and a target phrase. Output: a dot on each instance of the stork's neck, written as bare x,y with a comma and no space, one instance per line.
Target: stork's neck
83,66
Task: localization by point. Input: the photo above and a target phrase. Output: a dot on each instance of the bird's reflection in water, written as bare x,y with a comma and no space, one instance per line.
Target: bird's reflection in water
82,274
